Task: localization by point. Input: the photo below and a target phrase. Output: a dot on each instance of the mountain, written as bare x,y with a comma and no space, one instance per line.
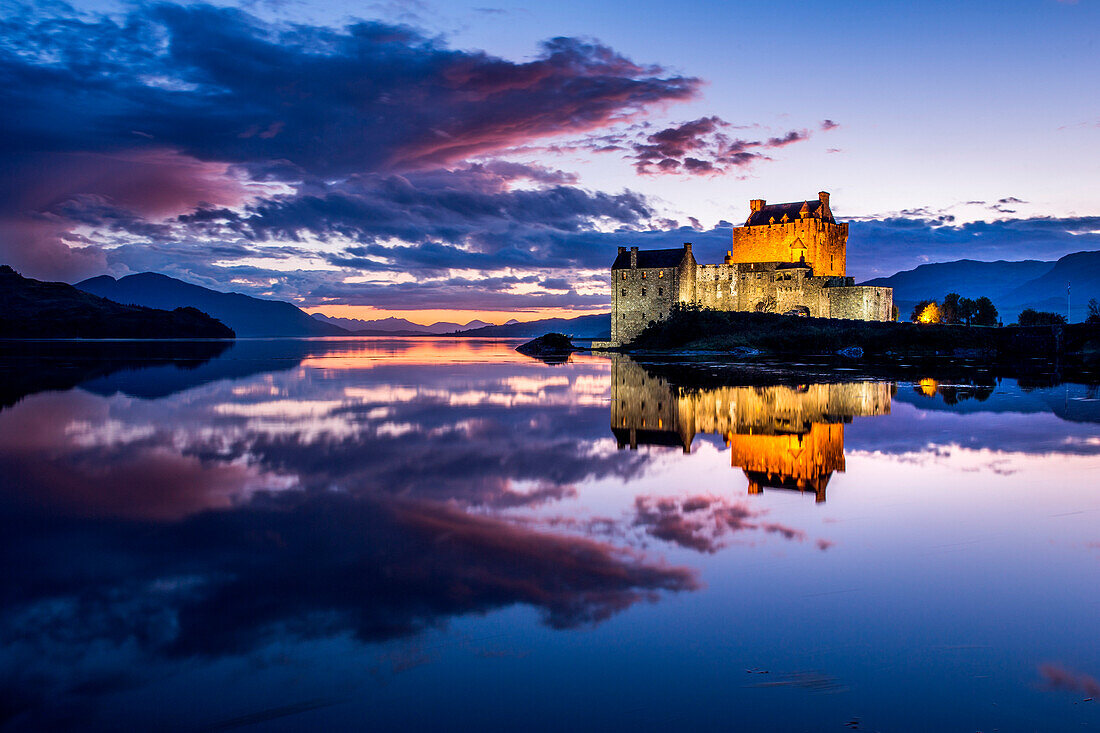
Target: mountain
35,309
1012,286
968,278
246,315
1048,291
396,326
596,326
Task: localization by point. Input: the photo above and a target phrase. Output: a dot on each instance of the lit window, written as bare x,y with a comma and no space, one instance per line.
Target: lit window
661,273
643,276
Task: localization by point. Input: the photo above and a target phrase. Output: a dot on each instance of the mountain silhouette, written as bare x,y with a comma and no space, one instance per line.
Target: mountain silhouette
595,326
34,309
246,315
397,326
1012,286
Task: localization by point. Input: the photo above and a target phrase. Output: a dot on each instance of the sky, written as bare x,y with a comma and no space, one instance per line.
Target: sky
442,160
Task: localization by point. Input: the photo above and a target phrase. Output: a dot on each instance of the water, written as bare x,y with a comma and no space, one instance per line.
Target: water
427,534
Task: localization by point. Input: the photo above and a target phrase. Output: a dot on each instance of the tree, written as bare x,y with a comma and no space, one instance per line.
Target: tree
922,309
1094,312
950,308
1032,317
985,313
966,310
894,313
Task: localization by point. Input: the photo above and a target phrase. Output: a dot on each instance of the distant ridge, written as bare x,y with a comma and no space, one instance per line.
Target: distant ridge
32,309
1012,286
597,326
396,326
246,315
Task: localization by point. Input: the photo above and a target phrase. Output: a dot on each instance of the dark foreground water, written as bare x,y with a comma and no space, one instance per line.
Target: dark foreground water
415,535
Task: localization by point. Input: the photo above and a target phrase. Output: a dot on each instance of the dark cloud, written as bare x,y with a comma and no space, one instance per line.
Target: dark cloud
186,110
217,84
827,125
881,247
699,147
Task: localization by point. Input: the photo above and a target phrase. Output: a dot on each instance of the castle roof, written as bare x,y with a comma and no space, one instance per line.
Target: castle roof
651,258
793,210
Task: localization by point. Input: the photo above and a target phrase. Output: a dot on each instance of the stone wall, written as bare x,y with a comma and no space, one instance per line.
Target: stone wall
642,295
823,245
861,302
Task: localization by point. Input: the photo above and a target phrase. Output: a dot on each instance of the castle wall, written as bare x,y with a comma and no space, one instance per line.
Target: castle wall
642,295
861,302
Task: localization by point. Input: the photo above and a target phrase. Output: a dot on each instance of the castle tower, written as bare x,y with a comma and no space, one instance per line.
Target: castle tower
792,232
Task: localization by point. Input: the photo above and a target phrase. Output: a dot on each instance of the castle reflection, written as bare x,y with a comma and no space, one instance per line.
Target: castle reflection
781,436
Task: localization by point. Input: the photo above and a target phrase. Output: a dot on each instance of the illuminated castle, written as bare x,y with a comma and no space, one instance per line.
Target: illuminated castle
787,258
784,437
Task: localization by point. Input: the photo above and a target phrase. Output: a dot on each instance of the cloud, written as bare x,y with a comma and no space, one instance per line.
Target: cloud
219,84
827,125
699,147
117,127
883,246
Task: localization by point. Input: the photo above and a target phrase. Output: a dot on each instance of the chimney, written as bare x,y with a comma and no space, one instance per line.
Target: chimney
687,247
756,204
622,250
823,197
633,258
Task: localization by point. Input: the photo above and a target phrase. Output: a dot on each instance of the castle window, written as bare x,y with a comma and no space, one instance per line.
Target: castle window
660,273
624,292
643,292
660,291
643,276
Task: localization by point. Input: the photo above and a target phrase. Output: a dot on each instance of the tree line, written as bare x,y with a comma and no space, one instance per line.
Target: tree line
954,309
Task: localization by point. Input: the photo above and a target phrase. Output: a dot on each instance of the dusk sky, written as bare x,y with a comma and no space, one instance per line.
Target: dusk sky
447,160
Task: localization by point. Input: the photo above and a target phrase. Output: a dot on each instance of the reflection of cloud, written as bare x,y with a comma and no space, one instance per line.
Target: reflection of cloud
1058,677
82,605
702,522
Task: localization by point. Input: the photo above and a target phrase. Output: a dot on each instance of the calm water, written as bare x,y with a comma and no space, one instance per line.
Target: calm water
417,534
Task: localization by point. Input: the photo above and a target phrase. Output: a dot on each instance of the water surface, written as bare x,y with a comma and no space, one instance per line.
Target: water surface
429,533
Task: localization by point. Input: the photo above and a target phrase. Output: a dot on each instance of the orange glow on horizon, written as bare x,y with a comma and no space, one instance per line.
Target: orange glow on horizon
366,353
428,317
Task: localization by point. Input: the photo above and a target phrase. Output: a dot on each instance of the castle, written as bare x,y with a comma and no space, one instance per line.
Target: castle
787,258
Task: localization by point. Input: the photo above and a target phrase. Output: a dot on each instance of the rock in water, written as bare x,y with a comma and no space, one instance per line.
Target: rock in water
551,348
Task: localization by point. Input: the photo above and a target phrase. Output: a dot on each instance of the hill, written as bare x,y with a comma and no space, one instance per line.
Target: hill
246,315
35,309
596,326
397,326
1012,286
968,278
1048,291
